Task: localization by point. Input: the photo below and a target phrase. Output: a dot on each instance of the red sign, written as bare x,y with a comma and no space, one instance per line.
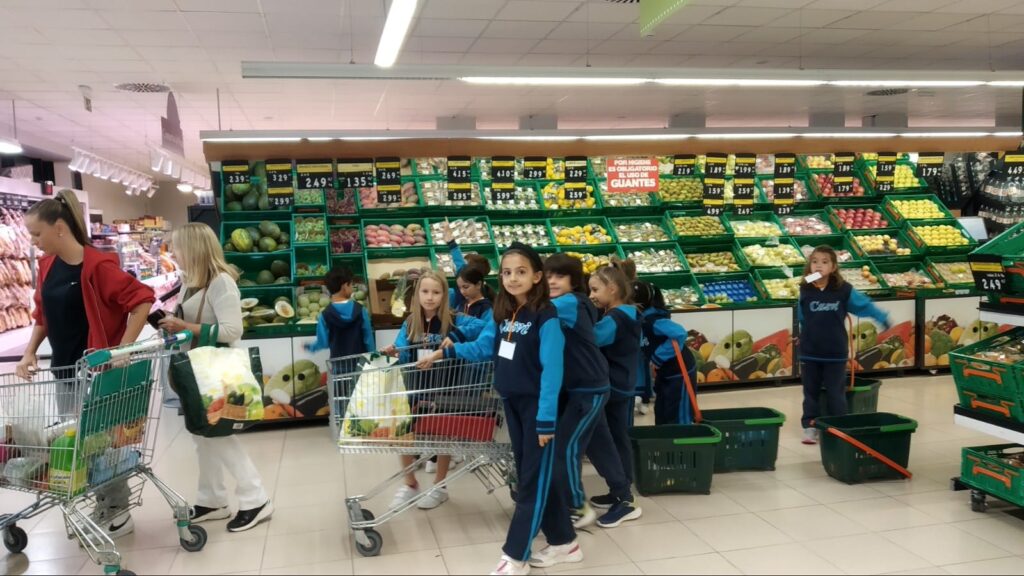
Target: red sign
632,174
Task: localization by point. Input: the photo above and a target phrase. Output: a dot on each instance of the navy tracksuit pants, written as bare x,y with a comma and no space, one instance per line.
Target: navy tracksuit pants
830,376
610,451
672,403
580,414
540,503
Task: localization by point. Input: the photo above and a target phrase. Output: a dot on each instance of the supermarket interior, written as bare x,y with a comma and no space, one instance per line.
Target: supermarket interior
713,144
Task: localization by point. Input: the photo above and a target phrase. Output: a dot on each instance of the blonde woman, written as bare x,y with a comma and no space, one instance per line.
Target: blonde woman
212,297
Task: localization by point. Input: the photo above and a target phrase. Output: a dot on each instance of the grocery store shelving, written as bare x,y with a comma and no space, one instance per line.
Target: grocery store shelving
991,425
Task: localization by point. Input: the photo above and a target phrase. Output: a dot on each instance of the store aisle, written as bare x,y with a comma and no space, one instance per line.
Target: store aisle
791,521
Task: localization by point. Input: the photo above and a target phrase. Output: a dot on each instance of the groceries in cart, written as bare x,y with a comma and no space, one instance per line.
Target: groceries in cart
379,405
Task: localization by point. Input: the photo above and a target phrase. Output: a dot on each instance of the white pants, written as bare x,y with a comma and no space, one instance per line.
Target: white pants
216,454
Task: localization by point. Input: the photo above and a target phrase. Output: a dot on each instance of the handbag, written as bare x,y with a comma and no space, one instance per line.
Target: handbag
219,386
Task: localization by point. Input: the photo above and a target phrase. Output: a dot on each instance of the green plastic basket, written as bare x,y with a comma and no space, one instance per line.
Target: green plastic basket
985,468
861,399
750,437
674,458
887,434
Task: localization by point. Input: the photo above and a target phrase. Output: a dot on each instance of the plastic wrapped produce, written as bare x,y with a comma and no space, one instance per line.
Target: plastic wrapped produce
637,232
680,298
524,198
861,278
627,200
587,234
529,234
653,261
698,226
465,231
755,228
435,193
810,225
773,256
710,262
409,198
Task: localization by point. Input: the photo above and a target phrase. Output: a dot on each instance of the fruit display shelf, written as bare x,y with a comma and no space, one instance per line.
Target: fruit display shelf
554,202
909,278
935,237
694,227
806,222
346,240
952,270
391,233
629,202
715,259
785,253
823,186
681,291
533,232
865,277
468,231
582,231
838,242
814,162
905,177
761,225
656,258
640,230
249,201
310,262
882,245
1008,250
802,193
409,202
681,191
263,270
252,238
594,256
436,199
525,199
442,260
774,284
915,207
309,229
859,217
729,290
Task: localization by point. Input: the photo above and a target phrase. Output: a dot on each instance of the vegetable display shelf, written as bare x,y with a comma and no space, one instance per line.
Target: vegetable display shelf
346,240
642,230
310,262
309,229
532,231
775,285
870,245
442,261
568,231
263,269
655,258
681,291
410,200
242,238
525,200
693,227
632,203
756,225
719,258
387,234
471,231
939,237
761,253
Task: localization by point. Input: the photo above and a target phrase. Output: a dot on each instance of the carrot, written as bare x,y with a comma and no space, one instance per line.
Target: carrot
217,405
780,339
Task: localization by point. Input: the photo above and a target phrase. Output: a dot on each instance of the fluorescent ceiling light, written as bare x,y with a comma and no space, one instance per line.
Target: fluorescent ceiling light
395,30
156,160
906,83
1008,134
552,81
151,192
176,171
532,138
737,82
620,137
945,134
168,167
128,191
750,136
258,139
185,188
1007,83
850,135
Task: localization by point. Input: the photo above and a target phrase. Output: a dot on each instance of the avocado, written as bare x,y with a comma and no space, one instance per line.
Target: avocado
265,277
264,202
279,267
251,201
233,206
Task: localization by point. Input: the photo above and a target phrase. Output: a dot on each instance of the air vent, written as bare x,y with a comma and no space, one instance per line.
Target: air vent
143,87
888,92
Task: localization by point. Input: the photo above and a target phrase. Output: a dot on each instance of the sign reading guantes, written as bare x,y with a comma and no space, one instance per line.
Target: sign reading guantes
632,174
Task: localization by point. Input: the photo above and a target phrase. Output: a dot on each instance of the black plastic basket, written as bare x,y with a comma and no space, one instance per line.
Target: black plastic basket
674,458
750,437
862,399
887,434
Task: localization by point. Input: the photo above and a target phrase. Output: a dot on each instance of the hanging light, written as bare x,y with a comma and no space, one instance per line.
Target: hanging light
185,187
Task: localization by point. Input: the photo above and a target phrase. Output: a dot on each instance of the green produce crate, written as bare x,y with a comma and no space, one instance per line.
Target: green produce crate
310,262
888,204
807,213
837,242
500,225
551,207
854,267
513,208
634,250
354,262
920,186
339,248
763,274
227,228
686,237
267,296
986,468
677,283
900,267
438,239
990,385
1009,246
630,202
342,203
868,195
666,184
764,201
913,233
603,252
655,225
695,252
861,399
311,198
888,434
904,242
674,458
296,229
434,166
802,167
441,259
743,243
251,266
705,279
434,195
730,220
554,223
750,437
367,200
830,211
937,265
405,222
258,185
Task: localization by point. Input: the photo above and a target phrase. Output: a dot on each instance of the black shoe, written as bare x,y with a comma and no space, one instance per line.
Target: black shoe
203,514
604,501
246,519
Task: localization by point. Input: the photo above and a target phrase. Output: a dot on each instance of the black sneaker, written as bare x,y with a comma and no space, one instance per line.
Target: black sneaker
202,514
621,512
246,519
603,502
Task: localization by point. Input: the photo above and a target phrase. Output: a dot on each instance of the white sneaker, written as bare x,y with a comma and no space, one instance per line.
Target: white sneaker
644,409
552,555
403,495
120,525
509,566
810,436
430,467
433,499
582,517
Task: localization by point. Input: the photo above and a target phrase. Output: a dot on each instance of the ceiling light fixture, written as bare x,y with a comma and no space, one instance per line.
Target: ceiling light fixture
906,83
151,192
552,81
396,28
749,136
185,188
945,134
744,82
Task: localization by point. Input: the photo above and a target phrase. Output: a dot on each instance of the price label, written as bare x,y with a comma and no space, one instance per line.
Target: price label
842,173
280,188
684,165
235,171
929,164
989,273
576,169
459,176
714,184
503,169
785,173
535,167
885,172
315,174
1014,162
743,183
355,173
389,180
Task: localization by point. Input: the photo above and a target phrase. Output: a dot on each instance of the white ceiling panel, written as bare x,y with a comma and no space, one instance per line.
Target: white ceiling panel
583,30
559,46
130,5
475,10
772,35
215,39
50,18
934,21
518,29
508,46
158,37
603,12
218,5
624,46
746,16
809,19
704,33
438,44
456,27
312,8
548,59
537,10
911,5
224,21
840,36
145,20
978,6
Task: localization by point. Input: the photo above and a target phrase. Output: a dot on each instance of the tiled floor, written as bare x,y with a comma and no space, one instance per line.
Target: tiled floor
794,520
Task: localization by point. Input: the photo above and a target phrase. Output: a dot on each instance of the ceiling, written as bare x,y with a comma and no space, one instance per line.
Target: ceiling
50,47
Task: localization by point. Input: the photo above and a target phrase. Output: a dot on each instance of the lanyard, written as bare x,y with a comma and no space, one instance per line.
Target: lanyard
512,323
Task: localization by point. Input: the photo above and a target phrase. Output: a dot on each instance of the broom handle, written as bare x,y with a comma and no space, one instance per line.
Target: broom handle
689,385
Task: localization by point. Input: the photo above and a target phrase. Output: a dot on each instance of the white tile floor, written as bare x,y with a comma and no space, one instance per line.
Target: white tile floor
794,520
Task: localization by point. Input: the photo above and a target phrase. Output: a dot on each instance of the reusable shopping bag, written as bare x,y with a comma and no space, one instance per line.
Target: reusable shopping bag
379,406
219,387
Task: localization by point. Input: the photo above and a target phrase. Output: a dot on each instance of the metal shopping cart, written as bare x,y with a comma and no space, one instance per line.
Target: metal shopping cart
382,406
82,439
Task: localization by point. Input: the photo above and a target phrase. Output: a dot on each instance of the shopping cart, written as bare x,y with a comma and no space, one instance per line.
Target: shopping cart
450,408
82,440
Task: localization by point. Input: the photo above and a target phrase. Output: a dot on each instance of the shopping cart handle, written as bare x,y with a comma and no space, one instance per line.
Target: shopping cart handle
101,357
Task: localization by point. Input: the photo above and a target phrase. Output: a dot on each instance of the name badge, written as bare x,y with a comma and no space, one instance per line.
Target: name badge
507,349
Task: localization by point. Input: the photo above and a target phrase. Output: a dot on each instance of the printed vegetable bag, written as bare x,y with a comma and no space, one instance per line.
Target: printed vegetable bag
219,387
379,406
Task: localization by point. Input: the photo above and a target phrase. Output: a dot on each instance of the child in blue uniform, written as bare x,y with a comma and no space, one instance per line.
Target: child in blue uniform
824,343
472,296
644,390
671,403
618,335
526,343
430,321
586,385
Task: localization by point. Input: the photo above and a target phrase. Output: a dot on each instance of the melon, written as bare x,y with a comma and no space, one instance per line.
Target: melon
249,303
265,277
241,240
279,268
263,313
284,309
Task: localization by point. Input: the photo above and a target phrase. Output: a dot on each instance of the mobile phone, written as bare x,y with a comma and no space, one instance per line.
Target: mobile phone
154,318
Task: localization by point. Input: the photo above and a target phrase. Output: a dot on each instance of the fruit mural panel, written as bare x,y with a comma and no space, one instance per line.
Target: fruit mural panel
951,323
292,387
740,345
875,348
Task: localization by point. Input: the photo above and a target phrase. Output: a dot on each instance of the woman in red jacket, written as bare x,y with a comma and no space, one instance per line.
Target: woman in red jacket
83,301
